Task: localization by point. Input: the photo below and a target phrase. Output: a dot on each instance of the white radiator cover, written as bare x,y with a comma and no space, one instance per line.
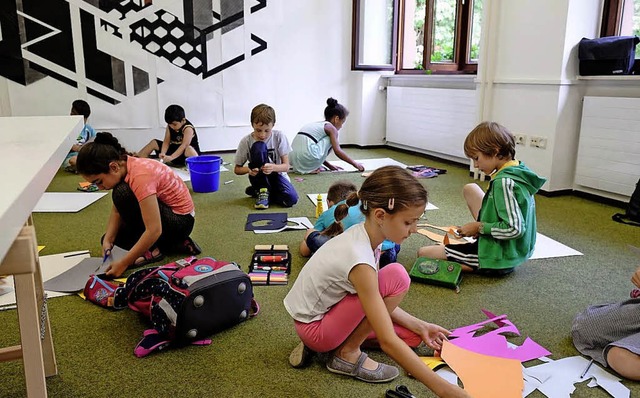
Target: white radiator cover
431,120
609,148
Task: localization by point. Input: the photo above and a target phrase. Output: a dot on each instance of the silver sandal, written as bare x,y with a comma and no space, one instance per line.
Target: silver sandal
382,374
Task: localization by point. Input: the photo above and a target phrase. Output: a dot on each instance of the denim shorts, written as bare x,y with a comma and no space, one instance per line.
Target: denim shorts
315,240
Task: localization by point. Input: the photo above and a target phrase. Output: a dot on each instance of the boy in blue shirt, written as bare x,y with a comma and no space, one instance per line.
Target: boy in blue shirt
267,152
87,134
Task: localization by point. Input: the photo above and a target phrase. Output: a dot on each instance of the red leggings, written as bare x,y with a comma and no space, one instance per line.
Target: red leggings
340,321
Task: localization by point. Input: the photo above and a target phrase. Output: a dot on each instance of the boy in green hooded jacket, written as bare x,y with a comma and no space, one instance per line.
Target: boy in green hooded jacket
505,226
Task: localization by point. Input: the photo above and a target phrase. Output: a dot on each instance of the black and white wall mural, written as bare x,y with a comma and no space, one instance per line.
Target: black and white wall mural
132,58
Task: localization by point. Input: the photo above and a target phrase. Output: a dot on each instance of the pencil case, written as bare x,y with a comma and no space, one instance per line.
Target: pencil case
268,277
271,258
437,272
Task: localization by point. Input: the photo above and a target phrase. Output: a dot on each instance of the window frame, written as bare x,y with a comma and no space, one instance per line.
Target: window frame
464,19
462,44
611,16
357,42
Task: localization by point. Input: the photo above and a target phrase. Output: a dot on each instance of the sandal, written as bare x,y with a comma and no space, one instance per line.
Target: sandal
191,247
382,374
148,258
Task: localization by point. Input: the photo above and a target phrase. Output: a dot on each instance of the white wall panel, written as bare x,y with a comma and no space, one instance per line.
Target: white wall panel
431,119
609,148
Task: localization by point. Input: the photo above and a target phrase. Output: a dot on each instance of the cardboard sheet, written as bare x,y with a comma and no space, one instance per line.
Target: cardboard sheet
186,176
266,221
545,246
439,238
548,248
66,202
75,278
556,379
484,376
369,164
494,342
293,223
50,267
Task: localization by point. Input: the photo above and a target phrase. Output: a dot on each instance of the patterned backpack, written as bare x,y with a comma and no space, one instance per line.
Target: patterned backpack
186,301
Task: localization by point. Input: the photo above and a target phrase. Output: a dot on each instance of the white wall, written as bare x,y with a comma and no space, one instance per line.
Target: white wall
533,88
307,60
527,81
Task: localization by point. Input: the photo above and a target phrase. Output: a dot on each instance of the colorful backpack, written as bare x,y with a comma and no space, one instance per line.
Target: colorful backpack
186,301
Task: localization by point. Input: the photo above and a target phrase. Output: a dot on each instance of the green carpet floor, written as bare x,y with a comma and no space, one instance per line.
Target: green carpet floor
94,346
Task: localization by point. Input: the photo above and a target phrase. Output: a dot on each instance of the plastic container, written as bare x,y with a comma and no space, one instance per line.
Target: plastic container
205,172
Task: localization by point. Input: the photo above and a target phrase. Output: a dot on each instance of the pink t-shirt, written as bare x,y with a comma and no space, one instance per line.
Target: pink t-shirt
148,177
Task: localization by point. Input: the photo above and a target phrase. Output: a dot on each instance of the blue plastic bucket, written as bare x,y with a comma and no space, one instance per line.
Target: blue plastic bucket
205,172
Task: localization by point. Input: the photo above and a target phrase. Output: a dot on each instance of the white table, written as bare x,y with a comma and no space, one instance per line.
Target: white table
33,149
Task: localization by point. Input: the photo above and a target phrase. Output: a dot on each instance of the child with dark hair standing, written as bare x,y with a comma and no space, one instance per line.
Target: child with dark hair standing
312,144
267,152
180,139
152,210
342,299
505,225
79,107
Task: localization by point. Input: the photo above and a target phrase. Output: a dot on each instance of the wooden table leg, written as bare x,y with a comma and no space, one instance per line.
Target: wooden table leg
37,353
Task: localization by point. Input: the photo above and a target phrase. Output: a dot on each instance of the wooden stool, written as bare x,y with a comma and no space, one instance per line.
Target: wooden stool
36,348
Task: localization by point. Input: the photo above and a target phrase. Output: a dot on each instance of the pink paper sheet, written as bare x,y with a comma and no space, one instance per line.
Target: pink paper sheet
494,343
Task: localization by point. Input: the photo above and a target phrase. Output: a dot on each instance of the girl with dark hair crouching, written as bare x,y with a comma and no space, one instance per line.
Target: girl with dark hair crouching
152,211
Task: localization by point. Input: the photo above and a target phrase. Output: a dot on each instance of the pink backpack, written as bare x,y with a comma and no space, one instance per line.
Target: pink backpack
186,301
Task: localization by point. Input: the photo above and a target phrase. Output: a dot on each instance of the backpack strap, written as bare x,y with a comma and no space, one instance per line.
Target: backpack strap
153,341
255,308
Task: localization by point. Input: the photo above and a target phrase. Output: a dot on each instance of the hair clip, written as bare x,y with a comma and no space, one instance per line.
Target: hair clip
391,204
364,204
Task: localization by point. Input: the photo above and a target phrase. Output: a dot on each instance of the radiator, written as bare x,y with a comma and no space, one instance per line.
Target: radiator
609,147
431,120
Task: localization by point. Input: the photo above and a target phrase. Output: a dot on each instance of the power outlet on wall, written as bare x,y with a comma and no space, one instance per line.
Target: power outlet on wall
538,142
521,139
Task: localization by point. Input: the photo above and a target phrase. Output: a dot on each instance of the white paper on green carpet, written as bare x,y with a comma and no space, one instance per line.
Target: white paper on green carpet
548,248
313,197
66,202
186,176
369,164
50,267
294,223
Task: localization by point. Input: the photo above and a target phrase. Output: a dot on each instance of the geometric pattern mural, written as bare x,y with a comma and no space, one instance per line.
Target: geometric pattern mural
37,41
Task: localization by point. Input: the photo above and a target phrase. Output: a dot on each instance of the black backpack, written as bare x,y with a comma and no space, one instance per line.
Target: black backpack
611,55
632,214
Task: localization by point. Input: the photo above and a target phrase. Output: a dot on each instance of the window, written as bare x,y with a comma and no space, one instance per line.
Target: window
374,34
439,36
417,36
621,18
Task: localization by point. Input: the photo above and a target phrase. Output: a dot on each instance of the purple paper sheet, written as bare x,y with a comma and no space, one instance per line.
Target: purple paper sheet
494,343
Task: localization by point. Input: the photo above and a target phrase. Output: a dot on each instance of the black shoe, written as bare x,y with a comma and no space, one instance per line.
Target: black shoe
400,392
250,191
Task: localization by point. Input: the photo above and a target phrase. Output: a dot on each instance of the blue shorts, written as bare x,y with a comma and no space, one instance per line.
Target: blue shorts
315,240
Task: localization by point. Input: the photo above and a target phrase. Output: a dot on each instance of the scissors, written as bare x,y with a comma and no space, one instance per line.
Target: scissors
107,253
